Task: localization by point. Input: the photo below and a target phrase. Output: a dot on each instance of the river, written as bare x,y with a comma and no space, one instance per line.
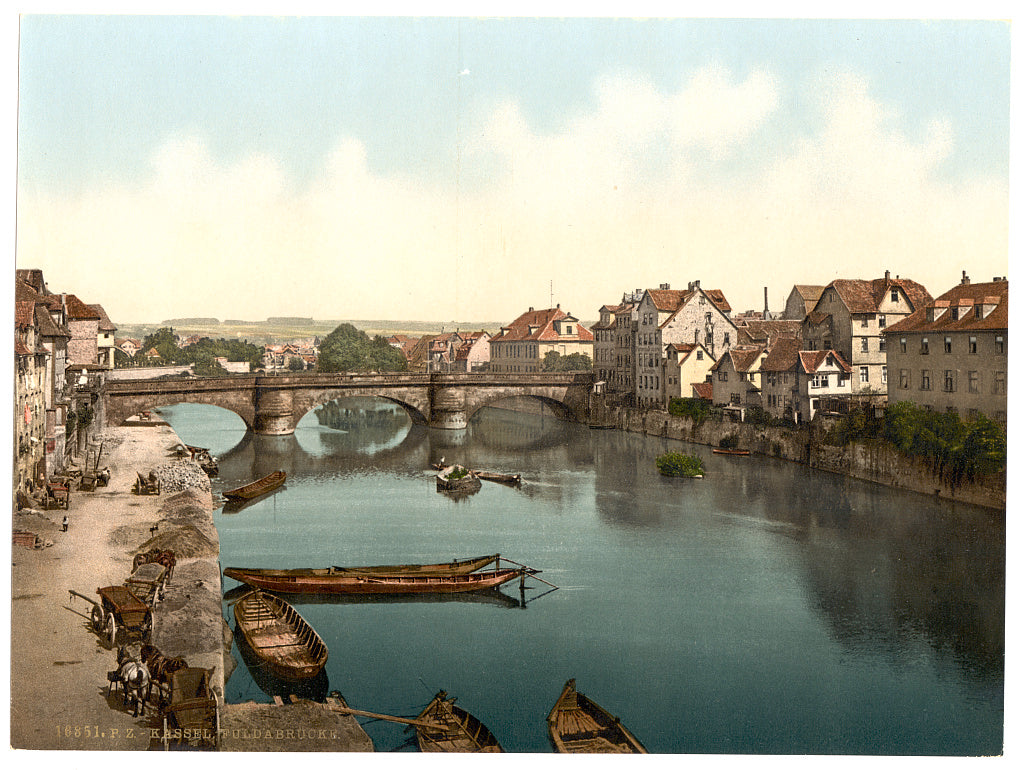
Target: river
765,609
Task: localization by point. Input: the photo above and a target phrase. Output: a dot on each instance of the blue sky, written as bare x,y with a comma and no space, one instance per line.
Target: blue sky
456,168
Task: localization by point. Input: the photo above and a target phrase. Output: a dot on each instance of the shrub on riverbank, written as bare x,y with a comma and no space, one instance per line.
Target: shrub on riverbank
680,464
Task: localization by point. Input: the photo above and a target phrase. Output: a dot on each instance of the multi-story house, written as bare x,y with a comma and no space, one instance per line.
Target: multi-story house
851,317
796,384
801,301
30,399
666,315
104,338
474,354
128,346
736,378
623,380
83,323
685,364
604,343
521,346
951,354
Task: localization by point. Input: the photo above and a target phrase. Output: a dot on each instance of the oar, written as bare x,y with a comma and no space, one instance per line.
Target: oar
532,570
386,717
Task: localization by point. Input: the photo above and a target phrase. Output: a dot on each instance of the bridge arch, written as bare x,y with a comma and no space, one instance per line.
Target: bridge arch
558,406
119,411
306,401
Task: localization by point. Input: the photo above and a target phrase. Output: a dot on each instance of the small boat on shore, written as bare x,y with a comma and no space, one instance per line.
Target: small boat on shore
454,730
577,725
279,636
329,581
737,452
329,574
256,488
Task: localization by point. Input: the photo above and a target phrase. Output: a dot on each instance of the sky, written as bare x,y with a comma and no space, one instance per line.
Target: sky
456,168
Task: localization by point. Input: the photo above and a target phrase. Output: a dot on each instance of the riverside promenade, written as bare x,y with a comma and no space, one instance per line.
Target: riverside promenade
59,664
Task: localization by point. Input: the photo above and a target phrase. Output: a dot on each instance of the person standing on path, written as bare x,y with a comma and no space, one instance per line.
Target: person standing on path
64,524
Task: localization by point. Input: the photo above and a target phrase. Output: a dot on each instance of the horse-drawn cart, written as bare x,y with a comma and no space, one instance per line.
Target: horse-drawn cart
148,582
146,485
119,611
57,496
190,709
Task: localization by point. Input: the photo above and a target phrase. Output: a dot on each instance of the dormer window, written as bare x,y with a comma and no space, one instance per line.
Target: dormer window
895,295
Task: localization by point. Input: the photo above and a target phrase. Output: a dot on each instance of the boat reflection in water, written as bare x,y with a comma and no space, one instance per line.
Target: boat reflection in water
492,596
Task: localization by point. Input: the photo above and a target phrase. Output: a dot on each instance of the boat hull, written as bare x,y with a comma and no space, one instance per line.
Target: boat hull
283,642
257,488
348,583
457,730
577,725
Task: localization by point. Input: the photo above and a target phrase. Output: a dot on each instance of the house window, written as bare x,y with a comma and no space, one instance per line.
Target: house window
863,344
863,375
568,330
881,322
725,339
972,344
999,384
881,344
734,399
904,379
864,322
903,344
972,415
949,381
700,355
895,295
947,345
723,376
999,345
926,379
924,346
972,382
819,381
885,375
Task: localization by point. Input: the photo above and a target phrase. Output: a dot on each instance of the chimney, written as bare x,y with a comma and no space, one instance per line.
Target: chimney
531,309
766,314
696,284
887,276
665,286
964,280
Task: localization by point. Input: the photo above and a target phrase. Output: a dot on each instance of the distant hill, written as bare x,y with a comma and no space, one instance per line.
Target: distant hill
278,330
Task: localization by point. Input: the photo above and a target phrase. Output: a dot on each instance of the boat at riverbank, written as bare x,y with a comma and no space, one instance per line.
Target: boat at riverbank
327,574
737,452
346,582
453,729
257,488
577,725
279,636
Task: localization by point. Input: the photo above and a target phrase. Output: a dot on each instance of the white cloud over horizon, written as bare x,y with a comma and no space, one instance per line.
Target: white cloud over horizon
650,186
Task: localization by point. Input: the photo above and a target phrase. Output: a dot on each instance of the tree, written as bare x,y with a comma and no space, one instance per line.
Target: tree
165,343
575,362
296,364
346,349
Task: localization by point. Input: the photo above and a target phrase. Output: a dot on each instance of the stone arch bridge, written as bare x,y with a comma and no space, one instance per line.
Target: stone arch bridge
274,404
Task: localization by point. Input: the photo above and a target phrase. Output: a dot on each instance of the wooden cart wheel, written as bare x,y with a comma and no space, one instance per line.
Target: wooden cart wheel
111,629
97,618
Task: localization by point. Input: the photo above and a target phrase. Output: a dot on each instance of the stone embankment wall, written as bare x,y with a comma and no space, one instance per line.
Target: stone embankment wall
869,461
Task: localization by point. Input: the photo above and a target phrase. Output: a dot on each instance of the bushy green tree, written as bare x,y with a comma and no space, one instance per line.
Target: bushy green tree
680,464
346,349
574,362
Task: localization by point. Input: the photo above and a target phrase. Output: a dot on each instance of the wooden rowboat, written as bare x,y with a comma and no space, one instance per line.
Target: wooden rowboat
285,644
501,478
295,582
738,452
330,574
577,725
258,487
454,728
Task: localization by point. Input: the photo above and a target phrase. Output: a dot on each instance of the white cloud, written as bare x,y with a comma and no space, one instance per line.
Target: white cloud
618,198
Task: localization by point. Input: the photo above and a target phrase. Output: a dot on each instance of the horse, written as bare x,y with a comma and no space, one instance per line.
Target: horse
133,676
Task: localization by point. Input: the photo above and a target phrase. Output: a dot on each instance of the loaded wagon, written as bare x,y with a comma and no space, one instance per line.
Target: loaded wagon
148,582
119,611
189,707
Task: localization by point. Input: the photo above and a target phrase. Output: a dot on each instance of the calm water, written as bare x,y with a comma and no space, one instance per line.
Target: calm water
767,608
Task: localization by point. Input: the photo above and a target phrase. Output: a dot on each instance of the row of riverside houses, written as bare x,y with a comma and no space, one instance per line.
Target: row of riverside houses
62,347
850,342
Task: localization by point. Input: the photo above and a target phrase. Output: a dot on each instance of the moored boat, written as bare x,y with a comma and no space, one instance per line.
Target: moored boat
501,478
577,725
332,581
331,574
455,730
256,488
285,644
723,451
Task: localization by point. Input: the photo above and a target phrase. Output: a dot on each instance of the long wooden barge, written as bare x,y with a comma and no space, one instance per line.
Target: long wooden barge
295,582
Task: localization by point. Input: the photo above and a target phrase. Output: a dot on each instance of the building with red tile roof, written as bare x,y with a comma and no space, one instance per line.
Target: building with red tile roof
684,363
851,317
951,354
736,377
521,346
796,384
801,301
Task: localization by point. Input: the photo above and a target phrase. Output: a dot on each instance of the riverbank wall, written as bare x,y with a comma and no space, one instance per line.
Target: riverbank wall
873,461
